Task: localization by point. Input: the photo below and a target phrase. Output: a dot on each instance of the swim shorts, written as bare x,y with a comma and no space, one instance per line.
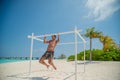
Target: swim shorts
48,54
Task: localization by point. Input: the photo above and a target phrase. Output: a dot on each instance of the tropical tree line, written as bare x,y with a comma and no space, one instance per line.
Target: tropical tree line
107,42
98,55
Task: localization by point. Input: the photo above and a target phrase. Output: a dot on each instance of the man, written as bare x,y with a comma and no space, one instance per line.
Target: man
49,54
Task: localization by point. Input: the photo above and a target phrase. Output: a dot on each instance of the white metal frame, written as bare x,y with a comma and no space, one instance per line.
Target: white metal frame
75,31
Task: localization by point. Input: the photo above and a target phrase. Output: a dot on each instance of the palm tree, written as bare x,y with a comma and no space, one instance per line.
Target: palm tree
107,42
91,33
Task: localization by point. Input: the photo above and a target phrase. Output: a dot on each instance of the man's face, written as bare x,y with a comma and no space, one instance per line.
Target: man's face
53,37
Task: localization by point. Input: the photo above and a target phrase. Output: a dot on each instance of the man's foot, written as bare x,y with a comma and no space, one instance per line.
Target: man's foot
55,68
48,66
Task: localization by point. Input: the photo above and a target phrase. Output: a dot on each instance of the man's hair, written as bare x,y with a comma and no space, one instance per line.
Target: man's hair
54,36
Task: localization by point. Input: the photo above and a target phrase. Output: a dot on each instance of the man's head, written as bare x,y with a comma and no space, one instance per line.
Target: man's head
53,37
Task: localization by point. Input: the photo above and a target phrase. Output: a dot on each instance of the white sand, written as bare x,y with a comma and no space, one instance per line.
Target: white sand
97,70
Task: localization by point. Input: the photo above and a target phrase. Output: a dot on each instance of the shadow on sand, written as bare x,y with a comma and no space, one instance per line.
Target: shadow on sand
89,62
29,78
26,76
37,78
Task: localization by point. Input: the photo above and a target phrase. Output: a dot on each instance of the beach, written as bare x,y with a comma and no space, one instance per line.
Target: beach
95,70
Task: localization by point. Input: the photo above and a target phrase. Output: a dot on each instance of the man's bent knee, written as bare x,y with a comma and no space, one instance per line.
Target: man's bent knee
50,62
41,61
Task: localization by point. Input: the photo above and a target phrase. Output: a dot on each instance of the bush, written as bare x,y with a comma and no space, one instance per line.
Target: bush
98,55
71,58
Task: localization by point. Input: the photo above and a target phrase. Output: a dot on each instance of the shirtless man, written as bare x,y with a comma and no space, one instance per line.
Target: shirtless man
49,54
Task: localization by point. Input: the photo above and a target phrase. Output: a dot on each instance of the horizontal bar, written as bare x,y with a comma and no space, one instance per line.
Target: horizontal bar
35,38
58,43
38,39
70,43
59,33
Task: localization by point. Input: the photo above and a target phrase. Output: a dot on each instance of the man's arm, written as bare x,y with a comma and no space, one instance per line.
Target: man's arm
45,41
58,40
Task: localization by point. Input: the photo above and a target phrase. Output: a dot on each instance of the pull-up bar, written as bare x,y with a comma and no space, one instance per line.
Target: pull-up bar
61,33
68,32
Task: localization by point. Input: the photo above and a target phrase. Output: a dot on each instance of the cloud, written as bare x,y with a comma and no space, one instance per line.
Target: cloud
101,9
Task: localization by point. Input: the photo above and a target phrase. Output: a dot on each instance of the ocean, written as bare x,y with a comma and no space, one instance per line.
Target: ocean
15,59
10,60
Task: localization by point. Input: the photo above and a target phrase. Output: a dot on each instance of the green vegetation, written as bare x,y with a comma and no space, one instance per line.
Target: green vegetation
109,52
98,55
71,58
109,49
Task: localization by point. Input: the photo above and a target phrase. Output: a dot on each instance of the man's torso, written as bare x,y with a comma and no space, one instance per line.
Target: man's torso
52,44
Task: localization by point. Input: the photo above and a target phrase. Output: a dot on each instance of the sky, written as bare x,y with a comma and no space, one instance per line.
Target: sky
20,18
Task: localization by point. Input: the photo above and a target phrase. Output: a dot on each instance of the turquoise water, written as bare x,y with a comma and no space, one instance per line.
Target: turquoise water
9,60
15,60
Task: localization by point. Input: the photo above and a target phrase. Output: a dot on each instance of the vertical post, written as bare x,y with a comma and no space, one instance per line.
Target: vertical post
84,55
31,51
75,53
84,45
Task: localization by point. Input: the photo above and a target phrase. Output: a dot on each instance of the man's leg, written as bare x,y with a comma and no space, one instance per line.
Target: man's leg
50,61
42,62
